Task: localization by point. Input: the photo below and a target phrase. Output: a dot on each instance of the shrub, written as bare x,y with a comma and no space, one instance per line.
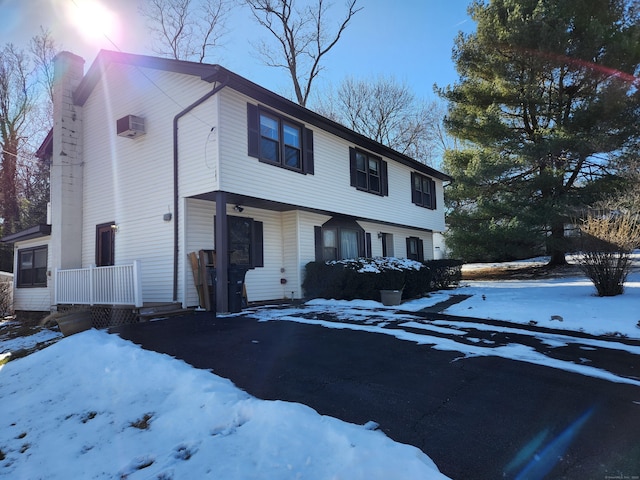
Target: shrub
607,239
6,298
364,278
445,273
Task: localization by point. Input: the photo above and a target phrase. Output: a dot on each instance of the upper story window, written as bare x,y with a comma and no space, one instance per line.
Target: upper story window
278,140
368,172
423,191
32,267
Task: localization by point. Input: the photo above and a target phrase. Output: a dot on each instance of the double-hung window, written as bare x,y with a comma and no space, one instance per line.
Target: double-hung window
339,239
368,172
423,191
32,267
415,249
279,140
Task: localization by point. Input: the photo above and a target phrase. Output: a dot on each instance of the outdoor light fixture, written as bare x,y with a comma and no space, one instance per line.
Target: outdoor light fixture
238,209
380,234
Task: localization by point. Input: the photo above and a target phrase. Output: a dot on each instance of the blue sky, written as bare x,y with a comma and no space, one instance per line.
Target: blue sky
408,39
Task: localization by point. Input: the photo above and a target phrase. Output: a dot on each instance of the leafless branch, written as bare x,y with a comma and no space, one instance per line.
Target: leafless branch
184,29
301,36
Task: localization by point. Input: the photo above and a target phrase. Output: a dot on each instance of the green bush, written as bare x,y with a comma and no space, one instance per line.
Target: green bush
363,278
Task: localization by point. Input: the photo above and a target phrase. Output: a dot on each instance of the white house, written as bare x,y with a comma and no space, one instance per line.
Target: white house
152,159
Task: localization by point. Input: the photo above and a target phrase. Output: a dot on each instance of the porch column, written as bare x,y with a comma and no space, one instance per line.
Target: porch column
222,253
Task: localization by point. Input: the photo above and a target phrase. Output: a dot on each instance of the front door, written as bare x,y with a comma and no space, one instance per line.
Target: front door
105,244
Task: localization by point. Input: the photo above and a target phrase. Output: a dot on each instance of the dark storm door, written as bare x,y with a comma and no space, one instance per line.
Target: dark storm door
105,244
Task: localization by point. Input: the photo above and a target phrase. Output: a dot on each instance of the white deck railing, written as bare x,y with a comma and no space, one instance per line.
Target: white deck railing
114,285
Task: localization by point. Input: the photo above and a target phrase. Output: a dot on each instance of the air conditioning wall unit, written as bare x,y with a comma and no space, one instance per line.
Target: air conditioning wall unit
130,126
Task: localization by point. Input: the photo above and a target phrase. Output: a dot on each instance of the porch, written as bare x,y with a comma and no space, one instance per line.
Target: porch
112,285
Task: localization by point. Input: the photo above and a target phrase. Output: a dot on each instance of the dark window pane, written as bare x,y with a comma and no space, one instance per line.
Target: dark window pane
348,244
40,258
269,150
374,184
413,248
239,240
374,167
291,135
361,162
268,127
26,260
40,276
329,238
26,277
292,157
417,183
361,180
330,253
105,248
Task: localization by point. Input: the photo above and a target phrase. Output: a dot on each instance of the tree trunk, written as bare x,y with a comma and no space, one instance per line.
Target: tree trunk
557,245
10,211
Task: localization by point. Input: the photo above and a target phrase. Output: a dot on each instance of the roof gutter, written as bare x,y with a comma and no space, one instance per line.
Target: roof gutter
176,194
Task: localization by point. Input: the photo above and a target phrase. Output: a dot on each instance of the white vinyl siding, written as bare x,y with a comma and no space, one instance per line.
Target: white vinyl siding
199,236
130,181
240,173
262,283
198,149
35,299
400,236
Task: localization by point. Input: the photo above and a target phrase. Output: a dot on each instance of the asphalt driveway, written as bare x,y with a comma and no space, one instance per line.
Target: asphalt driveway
480,418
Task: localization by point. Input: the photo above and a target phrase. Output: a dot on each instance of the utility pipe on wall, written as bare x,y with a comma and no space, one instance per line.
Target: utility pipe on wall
176,194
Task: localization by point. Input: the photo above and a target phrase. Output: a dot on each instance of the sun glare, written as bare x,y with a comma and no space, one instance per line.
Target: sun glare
93,20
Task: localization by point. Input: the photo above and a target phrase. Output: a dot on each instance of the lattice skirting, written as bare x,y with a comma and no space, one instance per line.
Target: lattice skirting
104,316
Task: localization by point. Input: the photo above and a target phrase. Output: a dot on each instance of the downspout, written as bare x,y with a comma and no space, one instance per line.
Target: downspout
175,180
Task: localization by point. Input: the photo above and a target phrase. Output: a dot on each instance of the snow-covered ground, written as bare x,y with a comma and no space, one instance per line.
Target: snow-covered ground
96,406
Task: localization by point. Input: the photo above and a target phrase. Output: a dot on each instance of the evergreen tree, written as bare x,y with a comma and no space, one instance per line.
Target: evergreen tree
547,101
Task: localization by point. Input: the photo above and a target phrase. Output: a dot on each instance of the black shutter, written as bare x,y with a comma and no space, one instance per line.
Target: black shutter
367,245
257,244
353,167
307,154
384,180
408,239
317,236
420,250
432,185
253,126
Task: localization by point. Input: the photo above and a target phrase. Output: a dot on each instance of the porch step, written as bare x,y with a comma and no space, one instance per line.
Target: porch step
161,310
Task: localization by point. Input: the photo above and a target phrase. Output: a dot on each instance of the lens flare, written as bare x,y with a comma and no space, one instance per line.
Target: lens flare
93,20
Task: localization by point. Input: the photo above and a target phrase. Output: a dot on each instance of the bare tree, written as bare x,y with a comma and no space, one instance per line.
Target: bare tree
302,38
43,49
16,104
186,29
389,112
25,106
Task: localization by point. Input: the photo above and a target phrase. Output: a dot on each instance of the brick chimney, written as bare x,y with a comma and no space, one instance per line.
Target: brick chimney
66,176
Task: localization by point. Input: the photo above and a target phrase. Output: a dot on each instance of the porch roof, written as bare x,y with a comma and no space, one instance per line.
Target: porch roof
27,234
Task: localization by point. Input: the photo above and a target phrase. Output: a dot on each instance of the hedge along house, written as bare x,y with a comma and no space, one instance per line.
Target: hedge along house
152,159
